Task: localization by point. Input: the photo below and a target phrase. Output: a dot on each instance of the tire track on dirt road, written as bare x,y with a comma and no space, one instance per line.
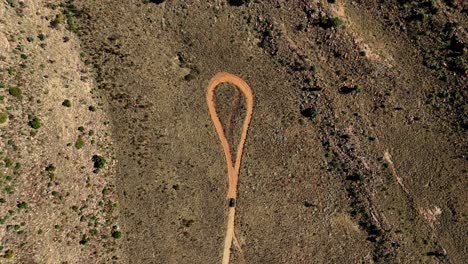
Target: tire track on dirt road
233,170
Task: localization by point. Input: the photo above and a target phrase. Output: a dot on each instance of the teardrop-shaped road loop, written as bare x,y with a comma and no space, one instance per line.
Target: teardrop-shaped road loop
233,170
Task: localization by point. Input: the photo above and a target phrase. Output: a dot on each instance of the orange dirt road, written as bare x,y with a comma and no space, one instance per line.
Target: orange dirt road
233,170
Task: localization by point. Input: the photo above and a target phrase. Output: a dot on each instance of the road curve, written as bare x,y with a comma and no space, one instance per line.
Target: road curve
233,170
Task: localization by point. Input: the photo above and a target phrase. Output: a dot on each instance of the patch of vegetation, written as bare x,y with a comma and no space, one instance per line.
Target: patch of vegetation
84,241
301,27
9,254
92,108
355,177
11,71
116,234
12,3
50,168
79,144
99,163
59,18
239,2
156,1
9,189
310,113
8,162
348,90
22,205
15,91
2,85
67,103
70,21
330,22
3,118
41,36
35,123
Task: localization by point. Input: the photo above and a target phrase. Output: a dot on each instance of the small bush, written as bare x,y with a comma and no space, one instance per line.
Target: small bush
50,168
9,254
330,22
116,234
41,37
3,118
79,144
310,113
12,3
239,2
71,22
348,90
66,103
92,108
2,85
8,162
84,241
22,205
99,163
35,123
15,91
301,27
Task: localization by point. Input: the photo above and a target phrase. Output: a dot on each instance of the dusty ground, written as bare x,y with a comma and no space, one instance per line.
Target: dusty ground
54,208
356,151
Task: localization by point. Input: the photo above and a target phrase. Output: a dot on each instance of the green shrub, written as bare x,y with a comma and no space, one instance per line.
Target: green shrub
66,103
99,163
116,234
41,36
8,162
35,123
22,205
12,3
2,85
11,71
9,189
15,91
301,27
84,241
9,254
92,108
330,22
3,118
50,168
79,143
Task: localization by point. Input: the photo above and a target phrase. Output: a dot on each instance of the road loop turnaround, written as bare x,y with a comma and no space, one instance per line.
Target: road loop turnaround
233,170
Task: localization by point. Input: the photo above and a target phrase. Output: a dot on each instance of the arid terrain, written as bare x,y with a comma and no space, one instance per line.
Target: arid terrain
356,152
